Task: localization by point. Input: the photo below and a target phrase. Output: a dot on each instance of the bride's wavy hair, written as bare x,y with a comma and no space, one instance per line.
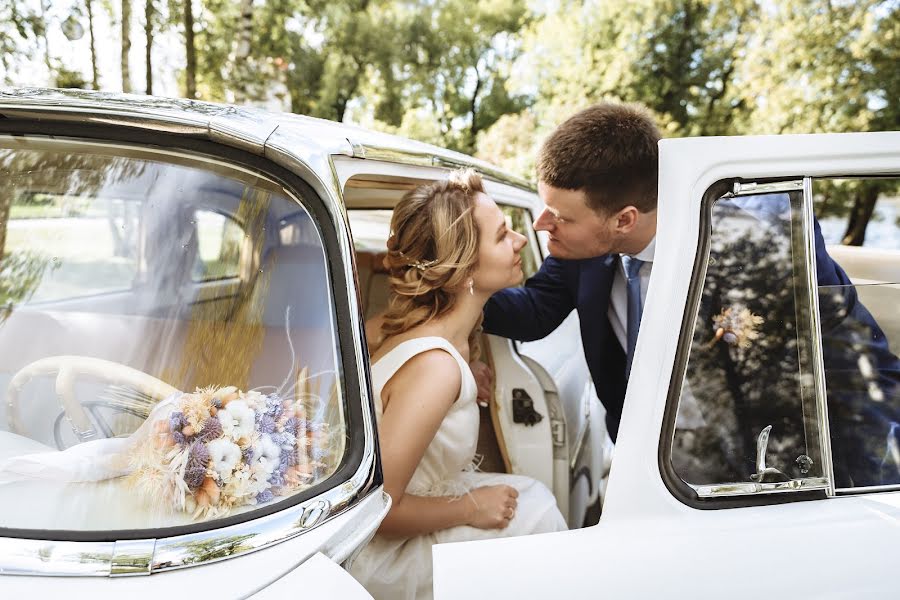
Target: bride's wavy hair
432,252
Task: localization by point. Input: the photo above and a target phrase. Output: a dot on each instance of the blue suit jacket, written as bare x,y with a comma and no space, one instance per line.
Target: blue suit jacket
560,286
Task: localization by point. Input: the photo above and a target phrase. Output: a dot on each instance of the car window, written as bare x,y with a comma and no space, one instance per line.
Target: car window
519,220
859,292
746,419
371,228
219,239
168,349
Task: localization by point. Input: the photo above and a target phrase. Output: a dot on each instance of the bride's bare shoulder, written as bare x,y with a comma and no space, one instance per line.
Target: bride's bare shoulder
434,370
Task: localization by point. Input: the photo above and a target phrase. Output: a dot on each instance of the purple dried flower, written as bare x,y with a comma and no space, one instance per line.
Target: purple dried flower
211,430
318,453
247,454
265,423
264,496
291,457
179,438
283,439
194,477
292,425
217,402
284,461
177,420
274,407
198,459
277,478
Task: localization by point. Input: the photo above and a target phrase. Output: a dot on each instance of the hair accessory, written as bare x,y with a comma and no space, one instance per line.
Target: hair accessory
419,264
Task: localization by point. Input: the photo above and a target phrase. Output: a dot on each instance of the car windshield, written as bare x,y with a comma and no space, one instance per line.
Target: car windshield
167,339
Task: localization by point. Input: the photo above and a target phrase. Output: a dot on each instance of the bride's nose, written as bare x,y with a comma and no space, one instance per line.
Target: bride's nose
521,240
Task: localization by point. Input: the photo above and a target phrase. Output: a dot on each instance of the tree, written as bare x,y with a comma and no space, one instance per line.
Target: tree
20,28
679,57
95,74
126,45
190,49
149,28
823,66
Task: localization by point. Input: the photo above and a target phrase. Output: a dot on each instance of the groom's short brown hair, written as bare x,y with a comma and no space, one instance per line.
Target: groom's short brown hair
610,151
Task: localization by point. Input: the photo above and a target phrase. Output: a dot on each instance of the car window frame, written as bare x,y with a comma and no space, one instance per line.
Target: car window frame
681,490
317,498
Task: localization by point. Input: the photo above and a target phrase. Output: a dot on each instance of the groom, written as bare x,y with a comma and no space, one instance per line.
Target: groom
597,175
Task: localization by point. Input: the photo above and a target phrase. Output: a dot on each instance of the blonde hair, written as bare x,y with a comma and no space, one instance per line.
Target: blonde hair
432,252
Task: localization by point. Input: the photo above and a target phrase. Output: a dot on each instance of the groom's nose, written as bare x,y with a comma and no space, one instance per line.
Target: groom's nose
544,222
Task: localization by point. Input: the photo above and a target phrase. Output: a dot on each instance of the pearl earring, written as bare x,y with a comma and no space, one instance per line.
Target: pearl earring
472,287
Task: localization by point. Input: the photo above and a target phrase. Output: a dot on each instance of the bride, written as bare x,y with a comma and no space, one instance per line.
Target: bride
449,251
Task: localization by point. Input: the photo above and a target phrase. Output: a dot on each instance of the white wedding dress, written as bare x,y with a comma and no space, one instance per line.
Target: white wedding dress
401,568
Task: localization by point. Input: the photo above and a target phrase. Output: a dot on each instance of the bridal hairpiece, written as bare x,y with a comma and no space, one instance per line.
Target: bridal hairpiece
419,264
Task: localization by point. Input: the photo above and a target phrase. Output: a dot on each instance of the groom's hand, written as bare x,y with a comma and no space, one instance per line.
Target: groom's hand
484,379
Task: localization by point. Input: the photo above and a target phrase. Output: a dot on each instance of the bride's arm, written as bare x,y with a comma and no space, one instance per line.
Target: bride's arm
416,400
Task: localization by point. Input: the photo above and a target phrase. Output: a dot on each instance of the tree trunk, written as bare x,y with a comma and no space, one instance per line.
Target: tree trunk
95,73
190,73
863,207
242,68
47,62
126,45
148,33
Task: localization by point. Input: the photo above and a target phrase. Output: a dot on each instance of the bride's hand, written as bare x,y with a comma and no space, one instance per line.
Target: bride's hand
492,506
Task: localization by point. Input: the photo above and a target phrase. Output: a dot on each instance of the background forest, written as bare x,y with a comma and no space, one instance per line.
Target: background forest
489,78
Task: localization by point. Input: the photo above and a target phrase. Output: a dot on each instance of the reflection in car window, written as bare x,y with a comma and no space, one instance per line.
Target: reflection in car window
858,299
67,246
186,368
749,384
219,241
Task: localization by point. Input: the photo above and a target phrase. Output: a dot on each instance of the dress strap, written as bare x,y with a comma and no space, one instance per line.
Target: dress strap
388,365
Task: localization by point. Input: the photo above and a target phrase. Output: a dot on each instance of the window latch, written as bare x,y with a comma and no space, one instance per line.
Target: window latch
763,473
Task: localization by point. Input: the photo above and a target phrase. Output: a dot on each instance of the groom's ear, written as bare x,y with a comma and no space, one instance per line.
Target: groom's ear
625,220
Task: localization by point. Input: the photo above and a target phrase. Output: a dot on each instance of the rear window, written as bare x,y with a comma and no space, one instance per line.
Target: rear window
168,353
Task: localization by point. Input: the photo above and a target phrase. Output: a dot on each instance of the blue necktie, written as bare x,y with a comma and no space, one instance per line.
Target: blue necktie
633,286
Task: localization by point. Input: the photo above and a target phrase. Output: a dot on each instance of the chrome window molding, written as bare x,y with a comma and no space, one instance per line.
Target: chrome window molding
867,489
812,281
426,159
746,488
145,557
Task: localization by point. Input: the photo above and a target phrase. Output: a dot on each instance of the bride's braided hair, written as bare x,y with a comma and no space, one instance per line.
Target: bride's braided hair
432,252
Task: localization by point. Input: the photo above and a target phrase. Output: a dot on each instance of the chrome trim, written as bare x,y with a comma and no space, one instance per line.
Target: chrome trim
720,490
869,489
433,159
812,281
38,557
751,188
132,557
582,433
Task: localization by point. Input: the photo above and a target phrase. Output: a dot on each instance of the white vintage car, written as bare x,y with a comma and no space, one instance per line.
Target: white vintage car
156,247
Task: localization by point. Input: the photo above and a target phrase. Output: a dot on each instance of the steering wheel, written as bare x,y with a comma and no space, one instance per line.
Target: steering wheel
67,369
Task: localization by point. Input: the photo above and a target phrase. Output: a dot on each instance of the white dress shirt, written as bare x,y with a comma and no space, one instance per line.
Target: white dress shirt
618,296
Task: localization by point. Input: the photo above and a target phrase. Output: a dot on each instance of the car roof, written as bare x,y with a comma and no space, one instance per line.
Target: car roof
244,127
